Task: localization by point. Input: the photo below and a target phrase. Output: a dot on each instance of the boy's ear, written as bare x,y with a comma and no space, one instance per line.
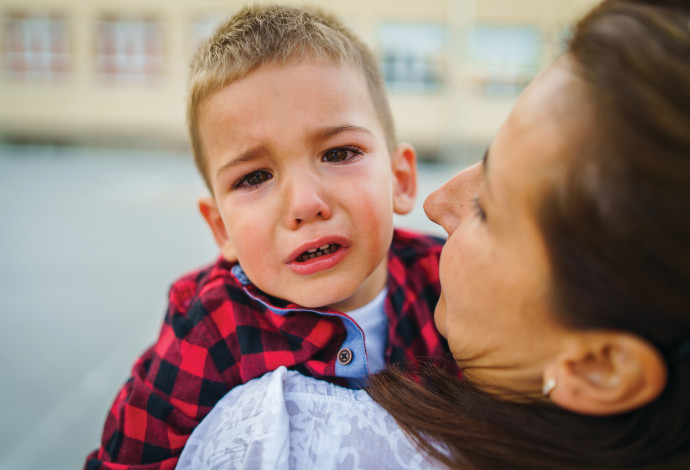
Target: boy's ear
607,373
209,209
404,163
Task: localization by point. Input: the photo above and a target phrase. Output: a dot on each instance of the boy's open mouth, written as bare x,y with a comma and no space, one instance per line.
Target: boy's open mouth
316,252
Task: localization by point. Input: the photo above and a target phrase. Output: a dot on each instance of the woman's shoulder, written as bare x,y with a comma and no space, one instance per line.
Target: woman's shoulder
286,420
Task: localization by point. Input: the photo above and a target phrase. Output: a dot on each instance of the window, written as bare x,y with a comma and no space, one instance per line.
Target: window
504,58
129,50
36,47
411,56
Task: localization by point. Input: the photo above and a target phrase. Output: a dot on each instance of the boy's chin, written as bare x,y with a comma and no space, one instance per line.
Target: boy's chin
340,301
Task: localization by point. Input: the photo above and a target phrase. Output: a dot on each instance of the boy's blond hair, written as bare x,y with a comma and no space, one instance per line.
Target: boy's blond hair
277,35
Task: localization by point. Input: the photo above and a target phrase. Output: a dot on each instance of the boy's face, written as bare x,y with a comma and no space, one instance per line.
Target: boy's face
304,185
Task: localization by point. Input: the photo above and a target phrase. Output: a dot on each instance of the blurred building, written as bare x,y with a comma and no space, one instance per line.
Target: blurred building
114,73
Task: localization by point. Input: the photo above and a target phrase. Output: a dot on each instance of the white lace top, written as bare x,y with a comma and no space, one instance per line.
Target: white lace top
285,420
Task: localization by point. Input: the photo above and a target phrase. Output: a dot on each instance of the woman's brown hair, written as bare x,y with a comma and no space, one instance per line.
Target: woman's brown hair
618,236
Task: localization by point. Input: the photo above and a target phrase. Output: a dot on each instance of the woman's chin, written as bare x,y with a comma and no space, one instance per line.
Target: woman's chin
440,318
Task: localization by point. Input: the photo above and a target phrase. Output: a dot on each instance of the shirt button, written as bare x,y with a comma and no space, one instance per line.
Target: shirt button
344,356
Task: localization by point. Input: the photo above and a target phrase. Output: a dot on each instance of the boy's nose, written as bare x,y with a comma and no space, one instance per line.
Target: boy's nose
449,204
306,201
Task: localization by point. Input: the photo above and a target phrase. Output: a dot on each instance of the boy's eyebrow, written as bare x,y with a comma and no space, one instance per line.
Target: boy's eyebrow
320,134
246,156
327,132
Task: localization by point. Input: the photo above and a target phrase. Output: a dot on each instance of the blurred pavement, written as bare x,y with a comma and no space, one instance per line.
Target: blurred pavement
90,240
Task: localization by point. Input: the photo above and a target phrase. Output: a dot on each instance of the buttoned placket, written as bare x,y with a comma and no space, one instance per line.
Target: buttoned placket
351,360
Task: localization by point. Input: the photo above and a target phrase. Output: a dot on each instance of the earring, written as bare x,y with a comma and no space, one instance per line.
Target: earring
548,387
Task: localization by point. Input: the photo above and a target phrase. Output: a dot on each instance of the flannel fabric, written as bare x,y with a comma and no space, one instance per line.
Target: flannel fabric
220,331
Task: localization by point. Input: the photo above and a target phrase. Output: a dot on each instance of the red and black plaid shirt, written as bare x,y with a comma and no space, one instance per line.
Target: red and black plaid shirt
219,333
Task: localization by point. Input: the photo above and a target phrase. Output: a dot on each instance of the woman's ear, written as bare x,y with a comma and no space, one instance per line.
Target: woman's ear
209,210
606,373
404,166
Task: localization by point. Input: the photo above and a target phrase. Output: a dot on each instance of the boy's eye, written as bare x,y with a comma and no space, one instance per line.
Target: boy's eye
250,180
341,154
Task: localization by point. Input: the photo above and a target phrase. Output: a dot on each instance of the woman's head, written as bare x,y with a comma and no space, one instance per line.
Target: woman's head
573,262
568,253
495,304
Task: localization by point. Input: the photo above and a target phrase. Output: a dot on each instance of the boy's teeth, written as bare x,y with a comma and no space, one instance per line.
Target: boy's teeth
321,248
316,252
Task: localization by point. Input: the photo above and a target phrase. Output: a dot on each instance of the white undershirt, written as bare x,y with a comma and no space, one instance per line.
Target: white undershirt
371,318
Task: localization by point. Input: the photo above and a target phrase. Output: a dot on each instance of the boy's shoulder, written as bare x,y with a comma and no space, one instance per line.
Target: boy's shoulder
215,279
409,244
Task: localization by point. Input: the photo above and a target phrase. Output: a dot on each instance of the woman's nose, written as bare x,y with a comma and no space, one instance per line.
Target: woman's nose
449,204
306,200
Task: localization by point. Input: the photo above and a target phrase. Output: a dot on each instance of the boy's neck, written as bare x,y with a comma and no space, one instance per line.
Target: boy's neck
367,292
